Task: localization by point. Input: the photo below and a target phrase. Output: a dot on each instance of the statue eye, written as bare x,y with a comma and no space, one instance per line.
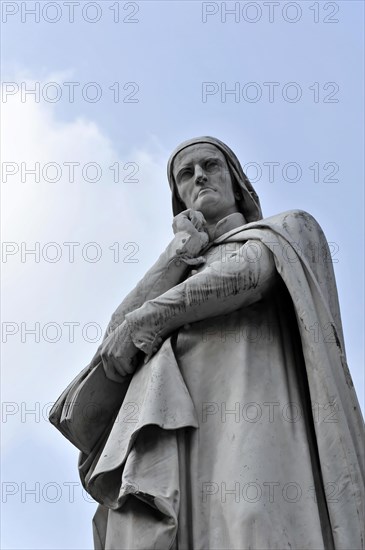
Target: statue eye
211,165
185,174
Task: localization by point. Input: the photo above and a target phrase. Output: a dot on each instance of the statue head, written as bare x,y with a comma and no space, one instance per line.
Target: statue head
205,175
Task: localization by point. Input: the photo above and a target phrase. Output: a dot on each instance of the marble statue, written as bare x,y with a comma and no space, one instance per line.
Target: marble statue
225,415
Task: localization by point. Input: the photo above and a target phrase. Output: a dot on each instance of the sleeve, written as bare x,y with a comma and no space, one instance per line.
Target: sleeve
92,386
226,285
168,271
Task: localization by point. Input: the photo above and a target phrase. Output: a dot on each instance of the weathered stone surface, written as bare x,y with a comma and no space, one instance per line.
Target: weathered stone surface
226,420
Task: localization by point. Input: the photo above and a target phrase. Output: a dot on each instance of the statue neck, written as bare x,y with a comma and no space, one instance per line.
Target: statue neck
216,229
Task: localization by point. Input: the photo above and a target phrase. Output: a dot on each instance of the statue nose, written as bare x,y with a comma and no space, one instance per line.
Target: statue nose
200,174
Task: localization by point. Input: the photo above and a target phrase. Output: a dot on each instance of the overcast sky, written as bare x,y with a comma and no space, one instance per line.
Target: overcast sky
116,86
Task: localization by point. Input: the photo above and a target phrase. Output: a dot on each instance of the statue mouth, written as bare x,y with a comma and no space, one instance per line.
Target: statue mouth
205,189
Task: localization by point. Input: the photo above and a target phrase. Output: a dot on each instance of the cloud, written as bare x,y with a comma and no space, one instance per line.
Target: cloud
36,213
42,298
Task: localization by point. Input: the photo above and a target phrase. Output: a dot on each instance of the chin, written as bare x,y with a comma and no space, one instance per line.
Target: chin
208,206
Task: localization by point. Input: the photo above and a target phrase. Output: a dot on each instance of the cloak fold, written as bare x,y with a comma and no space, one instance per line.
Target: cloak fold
129,458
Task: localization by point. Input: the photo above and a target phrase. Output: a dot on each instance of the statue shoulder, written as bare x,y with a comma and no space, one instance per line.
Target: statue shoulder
298,221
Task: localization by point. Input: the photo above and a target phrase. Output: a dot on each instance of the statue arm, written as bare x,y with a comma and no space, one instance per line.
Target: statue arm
221,288
117,352
168,271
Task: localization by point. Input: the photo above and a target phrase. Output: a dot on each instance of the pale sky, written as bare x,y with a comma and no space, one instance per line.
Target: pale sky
122,92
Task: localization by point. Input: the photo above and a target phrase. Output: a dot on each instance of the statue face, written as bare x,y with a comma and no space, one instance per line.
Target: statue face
204,182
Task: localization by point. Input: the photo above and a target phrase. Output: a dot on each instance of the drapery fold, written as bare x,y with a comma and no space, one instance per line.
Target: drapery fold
132,467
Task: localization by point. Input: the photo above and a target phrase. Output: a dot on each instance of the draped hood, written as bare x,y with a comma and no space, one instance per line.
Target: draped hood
249,203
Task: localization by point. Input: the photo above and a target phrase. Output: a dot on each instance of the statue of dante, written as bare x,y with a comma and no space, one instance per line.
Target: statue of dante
225,415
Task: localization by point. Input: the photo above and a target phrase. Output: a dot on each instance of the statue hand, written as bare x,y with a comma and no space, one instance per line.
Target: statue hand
192,222
118,354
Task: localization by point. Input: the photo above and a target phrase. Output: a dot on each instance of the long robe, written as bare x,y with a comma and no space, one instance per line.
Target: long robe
243,429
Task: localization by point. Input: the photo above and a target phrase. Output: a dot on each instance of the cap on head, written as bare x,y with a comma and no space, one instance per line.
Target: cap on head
249,202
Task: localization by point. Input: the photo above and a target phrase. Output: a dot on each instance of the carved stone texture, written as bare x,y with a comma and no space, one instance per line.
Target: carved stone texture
226,416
